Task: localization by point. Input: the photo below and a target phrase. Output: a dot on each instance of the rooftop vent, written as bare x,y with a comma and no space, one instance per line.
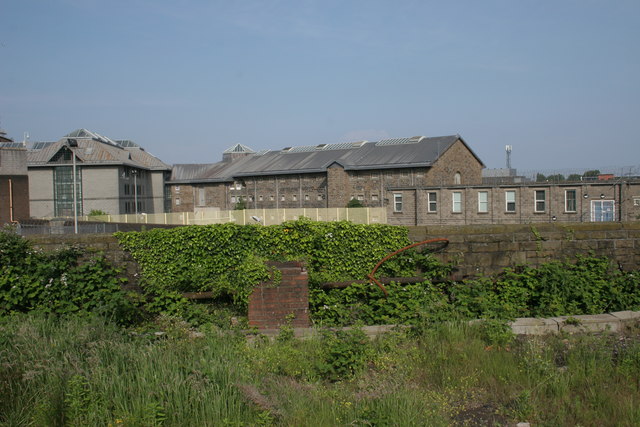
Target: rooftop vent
417,138
358,143
286,149
320,146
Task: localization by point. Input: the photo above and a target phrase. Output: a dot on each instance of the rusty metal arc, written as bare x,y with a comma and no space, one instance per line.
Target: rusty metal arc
392,254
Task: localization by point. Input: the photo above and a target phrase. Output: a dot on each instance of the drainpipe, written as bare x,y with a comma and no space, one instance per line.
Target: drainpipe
11,201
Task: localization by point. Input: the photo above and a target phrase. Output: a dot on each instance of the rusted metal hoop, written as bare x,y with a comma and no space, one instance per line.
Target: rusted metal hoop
391,255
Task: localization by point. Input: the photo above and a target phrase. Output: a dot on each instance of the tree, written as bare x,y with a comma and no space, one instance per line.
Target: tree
594,172
540,177
97,212
574,177
555,178
355,203
241,205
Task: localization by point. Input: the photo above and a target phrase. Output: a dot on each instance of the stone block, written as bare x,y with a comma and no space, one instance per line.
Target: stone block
588,323
534,326
627,316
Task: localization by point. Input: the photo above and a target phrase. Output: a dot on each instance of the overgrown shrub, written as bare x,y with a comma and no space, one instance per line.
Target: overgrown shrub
228,259
58,282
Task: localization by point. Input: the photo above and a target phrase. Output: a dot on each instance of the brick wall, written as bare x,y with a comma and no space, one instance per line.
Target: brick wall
14,194
270,305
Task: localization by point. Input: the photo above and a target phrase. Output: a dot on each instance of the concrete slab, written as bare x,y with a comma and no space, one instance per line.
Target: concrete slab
589,323
627,316
534,326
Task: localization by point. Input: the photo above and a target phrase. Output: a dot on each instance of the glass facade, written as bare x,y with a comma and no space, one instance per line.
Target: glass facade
63,191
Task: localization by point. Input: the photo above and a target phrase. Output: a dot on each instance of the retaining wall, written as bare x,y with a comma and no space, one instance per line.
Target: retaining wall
476,250
480,250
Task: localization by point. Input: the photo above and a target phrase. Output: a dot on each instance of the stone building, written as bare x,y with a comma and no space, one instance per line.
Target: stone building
387,173
14,181
116,177
419,180
597,201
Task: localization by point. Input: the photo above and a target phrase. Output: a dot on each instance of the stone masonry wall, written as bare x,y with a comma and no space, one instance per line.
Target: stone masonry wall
474,249
489,249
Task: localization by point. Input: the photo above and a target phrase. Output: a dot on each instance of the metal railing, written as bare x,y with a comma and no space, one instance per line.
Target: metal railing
250,216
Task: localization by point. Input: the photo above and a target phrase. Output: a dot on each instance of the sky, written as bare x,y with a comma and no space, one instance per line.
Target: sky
557,80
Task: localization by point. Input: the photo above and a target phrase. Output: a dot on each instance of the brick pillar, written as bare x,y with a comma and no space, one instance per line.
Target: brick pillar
270,305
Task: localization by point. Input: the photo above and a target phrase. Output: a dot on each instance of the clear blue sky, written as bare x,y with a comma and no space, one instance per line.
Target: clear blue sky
558,80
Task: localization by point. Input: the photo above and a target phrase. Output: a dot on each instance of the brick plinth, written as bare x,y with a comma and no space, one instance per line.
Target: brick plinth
270,304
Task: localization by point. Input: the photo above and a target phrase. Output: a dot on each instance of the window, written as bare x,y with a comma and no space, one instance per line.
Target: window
260,197
457,179
319,196
295,198
282,198
306,197
540,200
63,190
177,188
456,197
374,197
233,199
201,196
510,201
177,201
433,202
603,210
636,201
397,202
361,197
127,190
570,201
483,201
271,198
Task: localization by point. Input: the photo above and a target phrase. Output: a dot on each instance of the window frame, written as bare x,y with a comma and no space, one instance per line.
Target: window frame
483,203
432,203
537,202
507,202
456,205
397,203
567,200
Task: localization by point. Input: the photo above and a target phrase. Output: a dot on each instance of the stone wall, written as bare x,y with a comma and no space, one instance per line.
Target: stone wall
488,249
474,249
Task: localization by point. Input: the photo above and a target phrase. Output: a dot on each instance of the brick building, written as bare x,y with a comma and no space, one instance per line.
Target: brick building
385,173
14,181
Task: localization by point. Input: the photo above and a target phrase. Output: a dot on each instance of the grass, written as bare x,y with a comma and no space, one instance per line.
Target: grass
84,371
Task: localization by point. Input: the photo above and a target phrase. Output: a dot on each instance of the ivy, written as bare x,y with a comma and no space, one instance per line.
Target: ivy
229,260
58,282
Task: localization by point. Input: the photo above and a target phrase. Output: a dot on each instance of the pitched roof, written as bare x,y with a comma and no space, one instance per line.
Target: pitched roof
362,155
95,149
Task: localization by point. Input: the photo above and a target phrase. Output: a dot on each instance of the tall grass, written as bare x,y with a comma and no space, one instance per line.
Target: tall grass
86,372
83,371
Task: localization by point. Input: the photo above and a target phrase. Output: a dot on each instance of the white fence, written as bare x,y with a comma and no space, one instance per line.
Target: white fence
251,216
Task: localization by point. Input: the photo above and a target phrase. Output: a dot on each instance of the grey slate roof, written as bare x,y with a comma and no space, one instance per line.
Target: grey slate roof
94,149
362,155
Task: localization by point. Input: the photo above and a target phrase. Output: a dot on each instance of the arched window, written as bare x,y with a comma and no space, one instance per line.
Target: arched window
457,179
